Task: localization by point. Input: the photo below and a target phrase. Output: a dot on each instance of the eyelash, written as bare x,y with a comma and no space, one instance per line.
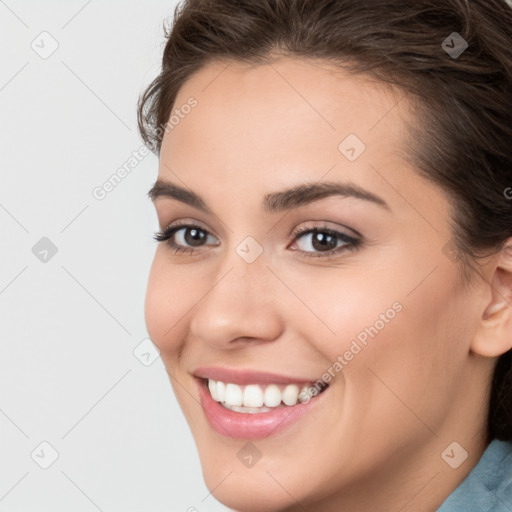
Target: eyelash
351,243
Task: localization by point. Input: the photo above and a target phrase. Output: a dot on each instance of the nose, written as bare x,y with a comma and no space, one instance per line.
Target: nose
241,305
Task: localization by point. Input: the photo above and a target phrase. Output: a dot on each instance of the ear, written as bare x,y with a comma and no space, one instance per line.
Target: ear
494,334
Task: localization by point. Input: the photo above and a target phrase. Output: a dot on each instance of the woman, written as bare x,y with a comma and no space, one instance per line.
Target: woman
331,293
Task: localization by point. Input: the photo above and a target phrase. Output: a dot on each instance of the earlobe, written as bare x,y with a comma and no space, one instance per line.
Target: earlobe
494,334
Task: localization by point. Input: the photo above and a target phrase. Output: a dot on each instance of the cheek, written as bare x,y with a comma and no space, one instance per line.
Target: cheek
414,363
343,309
410,331
165,304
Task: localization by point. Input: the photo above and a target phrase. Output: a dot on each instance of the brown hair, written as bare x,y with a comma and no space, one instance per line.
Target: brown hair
464,101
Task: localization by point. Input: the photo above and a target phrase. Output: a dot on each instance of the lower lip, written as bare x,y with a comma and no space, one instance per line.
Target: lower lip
252,426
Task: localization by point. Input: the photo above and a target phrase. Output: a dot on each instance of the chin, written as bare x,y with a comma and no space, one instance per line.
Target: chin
245,494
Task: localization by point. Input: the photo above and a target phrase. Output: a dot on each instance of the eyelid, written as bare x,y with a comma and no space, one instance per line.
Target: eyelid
328,226
351,243
186,223
170,230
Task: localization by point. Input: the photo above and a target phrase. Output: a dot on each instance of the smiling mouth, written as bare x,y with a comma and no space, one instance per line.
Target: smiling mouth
258,398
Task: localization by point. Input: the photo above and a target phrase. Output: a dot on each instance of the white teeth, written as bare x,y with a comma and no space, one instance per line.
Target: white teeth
250,410
254,398
233,394
221,391
304,394
272,396
212,386
290,394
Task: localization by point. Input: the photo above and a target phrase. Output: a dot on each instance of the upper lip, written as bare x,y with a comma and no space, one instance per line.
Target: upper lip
244,377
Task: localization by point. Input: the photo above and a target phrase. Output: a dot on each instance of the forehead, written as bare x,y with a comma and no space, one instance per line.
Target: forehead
259,129
307,98
288,107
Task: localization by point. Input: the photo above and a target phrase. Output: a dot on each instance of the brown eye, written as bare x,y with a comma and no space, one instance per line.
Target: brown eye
193,236
183,238
324,241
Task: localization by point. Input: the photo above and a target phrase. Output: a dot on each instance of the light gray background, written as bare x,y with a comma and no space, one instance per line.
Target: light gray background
69,325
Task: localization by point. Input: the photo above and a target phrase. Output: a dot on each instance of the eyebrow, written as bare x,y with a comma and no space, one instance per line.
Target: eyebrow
274,202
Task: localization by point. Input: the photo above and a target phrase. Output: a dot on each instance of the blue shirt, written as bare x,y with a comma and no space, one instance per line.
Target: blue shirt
488,487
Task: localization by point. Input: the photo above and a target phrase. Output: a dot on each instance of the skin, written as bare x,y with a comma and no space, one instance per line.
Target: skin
419,385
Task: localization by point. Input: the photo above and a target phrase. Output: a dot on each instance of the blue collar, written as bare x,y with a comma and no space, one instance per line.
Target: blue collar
488,487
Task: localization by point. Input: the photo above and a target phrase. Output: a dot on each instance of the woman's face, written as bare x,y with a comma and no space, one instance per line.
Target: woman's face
371,302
